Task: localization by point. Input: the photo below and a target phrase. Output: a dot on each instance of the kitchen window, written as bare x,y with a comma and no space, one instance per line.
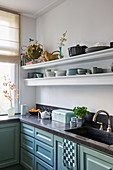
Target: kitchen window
9,54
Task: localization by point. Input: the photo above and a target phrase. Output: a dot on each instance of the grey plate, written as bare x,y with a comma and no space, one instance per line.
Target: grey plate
98,48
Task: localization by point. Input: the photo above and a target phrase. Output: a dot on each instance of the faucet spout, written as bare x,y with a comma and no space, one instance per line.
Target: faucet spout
109,120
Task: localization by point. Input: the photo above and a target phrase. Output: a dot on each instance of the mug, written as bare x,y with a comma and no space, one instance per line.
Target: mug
24,109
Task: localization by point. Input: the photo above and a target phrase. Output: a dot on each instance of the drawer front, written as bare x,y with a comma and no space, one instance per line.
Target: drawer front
27,129
44,136
27,143
44,152
27,159
40,165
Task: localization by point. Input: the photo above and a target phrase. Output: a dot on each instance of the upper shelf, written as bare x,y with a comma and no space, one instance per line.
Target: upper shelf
94,56
90,79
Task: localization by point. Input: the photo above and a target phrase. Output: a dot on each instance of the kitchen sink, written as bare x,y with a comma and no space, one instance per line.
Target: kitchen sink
94,134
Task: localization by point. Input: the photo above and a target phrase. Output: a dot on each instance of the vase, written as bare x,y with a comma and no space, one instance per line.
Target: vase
60,54
11,111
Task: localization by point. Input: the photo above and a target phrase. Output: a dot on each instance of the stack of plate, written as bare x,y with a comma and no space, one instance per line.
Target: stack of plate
72,71
60,73
81,71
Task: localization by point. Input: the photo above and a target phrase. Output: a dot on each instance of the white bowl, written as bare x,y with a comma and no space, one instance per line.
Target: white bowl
60,73
50,74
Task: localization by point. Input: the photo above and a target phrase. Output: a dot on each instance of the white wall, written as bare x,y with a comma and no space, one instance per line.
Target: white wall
87,22
28,30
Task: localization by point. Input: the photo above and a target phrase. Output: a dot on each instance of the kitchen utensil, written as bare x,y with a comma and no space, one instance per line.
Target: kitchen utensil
76,50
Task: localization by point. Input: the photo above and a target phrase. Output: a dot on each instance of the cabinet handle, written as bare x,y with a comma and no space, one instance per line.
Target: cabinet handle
77,156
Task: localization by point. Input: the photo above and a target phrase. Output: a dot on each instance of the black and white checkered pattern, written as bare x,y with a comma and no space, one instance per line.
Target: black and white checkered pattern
68,154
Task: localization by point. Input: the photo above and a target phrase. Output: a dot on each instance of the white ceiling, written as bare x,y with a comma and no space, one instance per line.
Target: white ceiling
32,8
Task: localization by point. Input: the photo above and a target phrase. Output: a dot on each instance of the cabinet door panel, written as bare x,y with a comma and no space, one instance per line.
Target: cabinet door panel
27,143
94,160
9,144
41,165
44,152
27,159
44,136
27,129
58,154
95,164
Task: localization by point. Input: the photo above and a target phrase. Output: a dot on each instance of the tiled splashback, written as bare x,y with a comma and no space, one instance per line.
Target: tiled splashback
100,118
48,108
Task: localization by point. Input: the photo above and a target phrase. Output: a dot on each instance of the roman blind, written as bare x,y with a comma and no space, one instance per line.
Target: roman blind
9,37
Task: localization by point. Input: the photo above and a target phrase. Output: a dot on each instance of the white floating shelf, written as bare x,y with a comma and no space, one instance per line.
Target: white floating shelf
94,56
90,79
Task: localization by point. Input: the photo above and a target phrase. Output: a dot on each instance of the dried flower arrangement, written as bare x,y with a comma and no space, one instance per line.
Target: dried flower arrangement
62,40
9,88
34,51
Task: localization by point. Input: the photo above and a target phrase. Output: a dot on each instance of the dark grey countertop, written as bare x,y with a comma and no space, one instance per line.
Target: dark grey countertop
58,129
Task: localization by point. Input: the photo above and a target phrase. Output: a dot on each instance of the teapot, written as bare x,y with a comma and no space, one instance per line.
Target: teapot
44,115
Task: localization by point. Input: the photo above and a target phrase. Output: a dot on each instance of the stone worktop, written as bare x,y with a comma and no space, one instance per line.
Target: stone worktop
58,129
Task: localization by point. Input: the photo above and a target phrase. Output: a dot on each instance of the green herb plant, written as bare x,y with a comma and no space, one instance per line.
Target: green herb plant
80,111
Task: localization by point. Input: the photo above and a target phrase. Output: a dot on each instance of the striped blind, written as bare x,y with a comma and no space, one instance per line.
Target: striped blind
9,37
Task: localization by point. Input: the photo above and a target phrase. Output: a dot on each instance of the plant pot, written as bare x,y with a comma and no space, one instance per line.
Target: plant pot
11,111
79,121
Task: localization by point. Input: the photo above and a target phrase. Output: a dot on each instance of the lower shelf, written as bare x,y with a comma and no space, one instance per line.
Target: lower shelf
90,79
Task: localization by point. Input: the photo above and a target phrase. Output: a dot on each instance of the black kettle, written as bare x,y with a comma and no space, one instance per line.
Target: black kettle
76,50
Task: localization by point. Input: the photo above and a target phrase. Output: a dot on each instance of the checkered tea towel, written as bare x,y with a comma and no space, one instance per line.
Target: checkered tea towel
69,154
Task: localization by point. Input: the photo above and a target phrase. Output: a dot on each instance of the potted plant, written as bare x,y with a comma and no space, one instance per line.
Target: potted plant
80,113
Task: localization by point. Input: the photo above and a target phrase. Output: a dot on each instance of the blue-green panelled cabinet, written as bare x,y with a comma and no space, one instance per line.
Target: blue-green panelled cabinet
58,154
9,144
37,148
94,160
27,146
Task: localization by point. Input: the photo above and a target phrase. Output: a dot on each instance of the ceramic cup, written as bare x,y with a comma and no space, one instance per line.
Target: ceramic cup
94,70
